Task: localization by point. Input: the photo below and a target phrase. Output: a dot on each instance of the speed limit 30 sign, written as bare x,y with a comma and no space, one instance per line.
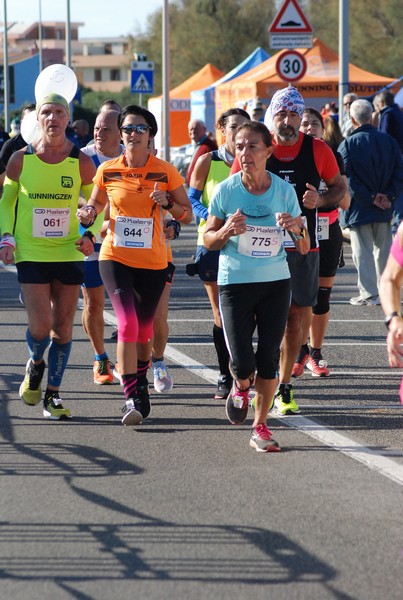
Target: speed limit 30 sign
291,65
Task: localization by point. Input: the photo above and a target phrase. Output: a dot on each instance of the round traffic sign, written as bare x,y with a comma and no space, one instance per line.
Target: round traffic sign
291,65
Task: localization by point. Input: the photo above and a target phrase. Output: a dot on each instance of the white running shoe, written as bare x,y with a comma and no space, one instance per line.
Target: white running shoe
162,379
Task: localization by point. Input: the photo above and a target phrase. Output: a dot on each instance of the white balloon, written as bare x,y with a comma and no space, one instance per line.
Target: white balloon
57,79
30,128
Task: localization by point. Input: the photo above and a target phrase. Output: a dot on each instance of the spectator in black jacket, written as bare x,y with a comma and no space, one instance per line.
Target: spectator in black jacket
391,122
390,116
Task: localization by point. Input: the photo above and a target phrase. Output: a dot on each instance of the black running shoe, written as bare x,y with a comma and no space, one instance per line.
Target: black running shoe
224,386
143,404
237,405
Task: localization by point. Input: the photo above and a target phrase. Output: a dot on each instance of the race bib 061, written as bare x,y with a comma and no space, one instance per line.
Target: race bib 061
50,222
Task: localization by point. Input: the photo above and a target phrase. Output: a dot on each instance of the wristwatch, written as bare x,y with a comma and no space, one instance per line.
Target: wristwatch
90,236
301,235
389,318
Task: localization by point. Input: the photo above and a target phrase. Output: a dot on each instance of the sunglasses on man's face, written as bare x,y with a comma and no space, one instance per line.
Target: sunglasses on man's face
140,129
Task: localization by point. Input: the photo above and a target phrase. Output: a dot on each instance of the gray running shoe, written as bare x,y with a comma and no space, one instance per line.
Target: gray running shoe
261,439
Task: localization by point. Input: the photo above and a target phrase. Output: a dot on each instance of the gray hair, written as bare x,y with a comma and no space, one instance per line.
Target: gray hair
361,111
197,122
350,97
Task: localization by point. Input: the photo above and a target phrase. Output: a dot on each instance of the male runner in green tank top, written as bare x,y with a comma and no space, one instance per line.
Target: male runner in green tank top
44,181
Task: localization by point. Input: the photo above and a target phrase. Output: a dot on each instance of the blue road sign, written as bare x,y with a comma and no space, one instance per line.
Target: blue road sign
142,77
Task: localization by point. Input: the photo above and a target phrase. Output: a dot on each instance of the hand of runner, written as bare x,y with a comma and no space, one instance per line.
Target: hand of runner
286,221
86,214
159,196
235,224
85,245
394,341
311,197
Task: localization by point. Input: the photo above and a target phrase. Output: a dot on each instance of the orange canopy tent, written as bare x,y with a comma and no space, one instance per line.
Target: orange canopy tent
179,104
320,82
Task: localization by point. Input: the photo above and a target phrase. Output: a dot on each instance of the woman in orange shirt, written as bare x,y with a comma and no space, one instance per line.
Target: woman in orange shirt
133,262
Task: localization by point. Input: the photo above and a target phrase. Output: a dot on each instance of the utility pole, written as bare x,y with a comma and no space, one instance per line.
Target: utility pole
343,55
6,80
165,79
68,36
40,38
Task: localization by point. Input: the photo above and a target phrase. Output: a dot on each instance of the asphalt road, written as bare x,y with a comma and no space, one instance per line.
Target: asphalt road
180,506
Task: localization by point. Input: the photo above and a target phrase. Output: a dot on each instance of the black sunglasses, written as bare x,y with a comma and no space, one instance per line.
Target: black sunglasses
141,128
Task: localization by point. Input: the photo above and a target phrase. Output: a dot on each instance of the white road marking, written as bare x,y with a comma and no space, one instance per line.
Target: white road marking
375,460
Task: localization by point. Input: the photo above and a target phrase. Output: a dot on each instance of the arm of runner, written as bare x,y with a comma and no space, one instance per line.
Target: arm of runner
181,209
197,183
8,204
218,232
296,228
389,292
336,190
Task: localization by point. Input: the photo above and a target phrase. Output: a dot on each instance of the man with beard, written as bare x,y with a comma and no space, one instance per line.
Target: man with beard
302,161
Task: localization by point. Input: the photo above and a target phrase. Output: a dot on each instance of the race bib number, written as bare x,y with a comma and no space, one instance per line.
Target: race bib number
132,232
323,228
260,242
288,242
50,222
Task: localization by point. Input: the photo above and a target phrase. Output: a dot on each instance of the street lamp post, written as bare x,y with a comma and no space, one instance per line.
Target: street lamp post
343,56
6,88
165,79
40,37
68,36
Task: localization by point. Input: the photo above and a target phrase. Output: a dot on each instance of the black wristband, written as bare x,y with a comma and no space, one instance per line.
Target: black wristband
170,202
176,225
389,318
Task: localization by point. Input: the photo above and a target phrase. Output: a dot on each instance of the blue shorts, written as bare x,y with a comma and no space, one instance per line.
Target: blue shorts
208,263
91,267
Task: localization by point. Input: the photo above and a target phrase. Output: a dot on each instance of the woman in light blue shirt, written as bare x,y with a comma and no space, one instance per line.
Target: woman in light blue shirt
252,214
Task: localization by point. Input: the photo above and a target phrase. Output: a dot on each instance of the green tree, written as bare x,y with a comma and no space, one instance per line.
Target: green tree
91,101
222,32
374,32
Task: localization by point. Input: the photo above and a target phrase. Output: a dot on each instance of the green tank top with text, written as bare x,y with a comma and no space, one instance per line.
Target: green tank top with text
46,226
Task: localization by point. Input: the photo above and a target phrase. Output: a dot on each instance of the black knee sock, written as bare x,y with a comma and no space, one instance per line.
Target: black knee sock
142,368
222,351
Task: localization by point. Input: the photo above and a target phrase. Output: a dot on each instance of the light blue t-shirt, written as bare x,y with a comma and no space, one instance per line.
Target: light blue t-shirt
254,265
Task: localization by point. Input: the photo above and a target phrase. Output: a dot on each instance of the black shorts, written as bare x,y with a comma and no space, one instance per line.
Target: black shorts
68,273
331,252
170,273
304,269
245,306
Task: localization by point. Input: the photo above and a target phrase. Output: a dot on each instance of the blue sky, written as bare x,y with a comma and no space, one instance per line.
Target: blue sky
101,17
